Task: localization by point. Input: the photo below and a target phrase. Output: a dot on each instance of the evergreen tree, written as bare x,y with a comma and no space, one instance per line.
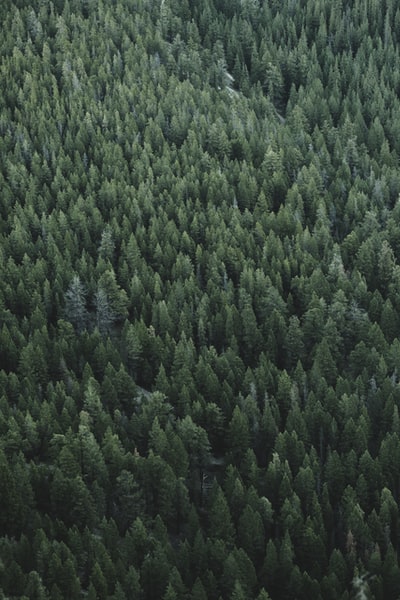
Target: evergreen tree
214,212
75,304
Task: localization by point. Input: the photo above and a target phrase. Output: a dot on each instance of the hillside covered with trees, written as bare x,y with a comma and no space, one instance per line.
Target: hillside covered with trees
199,299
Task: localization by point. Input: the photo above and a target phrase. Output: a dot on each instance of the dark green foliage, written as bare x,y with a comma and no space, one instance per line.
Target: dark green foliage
200,283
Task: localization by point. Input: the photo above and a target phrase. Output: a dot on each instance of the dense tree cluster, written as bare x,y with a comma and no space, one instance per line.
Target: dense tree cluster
199,299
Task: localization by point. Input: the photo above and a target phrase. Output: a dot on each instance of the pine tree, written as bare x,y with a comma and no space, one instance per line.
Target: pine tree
104,313
8,497
75,304
220,524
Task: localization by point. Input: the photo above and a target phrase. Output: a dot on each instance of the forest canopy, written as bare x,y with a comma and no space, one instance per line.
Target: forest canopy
199,299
